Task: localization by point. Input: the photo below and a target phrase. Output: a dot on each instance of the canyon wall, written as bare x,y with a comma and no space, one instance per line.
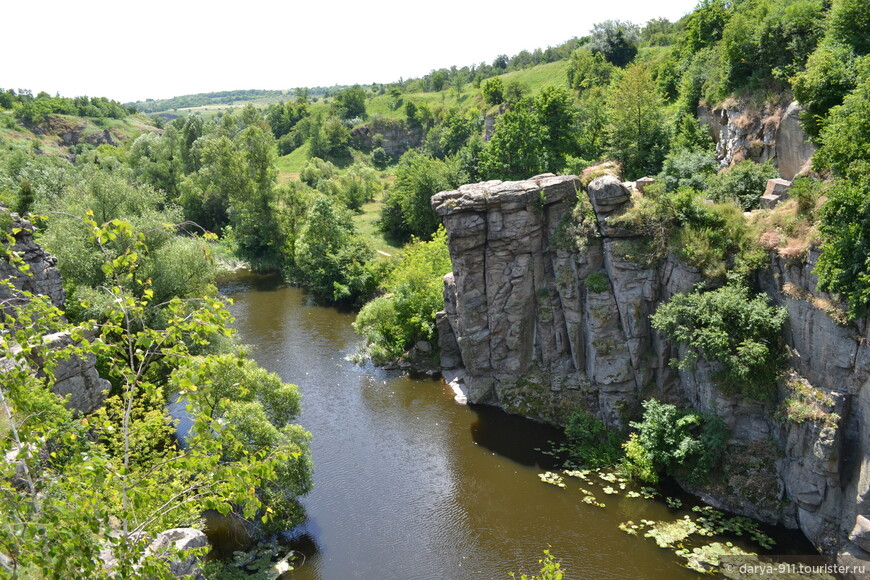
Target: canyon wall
541,326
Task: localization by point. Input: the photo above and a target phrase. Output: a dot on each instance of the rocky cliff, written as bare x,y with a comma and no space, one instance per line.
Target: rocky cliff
74,377
543,328
773,133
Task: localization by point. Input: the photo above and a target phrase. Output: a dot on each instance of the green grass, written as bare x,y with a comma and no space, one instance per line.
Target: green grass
289,166
538,77
365,223
534,78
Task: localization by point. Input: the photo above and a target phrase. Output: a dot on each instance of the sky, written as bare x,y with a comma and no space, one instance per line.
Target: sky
157,49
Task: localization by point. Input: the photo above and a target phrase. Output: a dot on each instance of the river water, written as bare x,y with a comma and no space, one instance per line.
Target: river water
410,485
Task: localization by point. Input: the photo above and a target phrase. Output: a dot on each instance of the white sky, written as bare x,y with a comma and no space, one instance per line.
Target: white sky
131,51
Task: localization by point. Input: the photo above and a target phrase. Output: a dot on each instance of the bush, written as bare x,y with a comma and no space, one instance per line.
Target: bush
674,442
331,259
393,323
744,183
685,168
380,158
709,237
843,267
728,326
589,443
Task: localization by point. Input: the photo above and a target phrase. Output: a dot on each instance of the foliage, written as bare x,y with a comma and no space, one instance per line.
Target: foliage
407,211
597,282
413,292
728,326
350,103
615,40
493,91
589,443
744,182
674,442
330,139
843,267
109,481
637,131
330,258
588,69
845,137
687,169
550,569
712,238
535,136
516,149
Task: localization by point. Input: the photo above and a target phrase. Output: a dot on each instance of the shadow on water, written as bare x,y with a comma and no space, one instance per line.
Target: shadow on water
516,438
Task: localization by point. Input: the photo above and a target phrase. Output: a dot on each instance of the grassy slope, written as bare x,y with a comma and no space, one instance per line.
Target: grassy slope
122,130
535,78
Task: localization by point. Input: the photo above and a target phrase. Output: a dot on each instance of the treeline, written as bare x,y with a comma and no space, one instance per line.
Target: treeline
202,99
31,110
223,98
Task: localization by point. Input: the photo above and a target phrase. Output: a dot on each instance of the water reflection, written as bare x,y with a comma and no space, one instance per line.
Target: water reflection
410,485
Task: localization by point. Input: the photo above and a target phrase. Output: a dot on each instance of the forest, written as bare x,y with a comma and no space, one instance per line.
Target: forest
331,188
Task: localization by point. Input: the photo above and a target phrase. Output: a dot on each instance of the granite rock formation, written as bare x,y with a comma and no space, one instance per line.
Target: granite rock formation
543,328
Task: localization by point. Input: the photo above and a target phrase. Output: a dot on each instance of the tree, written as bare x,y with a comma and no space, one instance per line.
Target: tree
729,326
493,91
517,148
615,40
331,259
405,314
407,210
588,69
350,103
844,142
843,267
86,485
637,131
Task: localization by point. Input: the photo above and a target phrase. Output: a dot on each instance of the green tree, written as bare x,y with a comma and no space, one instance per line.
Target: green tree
844,142
615,40
407,210
588,69
110,481
729,326
517,149
638,134
393,323
843,267
350,103
493,91
331,259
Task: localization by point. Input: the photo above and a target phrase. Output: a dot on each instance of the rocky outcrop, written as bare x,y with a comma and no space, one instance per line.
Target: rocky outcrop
741,132
543,325
75,377
42,278
394,136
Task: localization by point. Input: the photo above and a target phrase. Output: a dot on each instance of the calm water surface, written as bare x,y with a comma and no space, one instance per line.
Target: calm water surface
410,485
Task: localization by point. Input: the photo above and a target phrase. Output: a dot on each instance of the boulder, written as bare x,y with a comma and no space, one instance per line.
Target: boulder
167,545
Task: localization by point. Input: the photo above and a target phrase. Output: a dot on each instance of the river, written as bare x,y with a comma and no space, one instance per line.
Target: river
410,485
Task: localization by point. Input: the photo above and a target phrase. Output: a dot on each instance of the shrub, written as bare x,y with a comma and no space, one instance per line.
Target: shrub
709,237
843,267
589,443
686,168
391,324
674,442
745,183
728,326
597,282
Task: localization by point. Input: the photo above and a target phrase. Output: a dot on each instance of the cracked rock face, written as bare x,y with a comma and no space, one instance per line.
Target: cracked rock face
541,329
75,377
